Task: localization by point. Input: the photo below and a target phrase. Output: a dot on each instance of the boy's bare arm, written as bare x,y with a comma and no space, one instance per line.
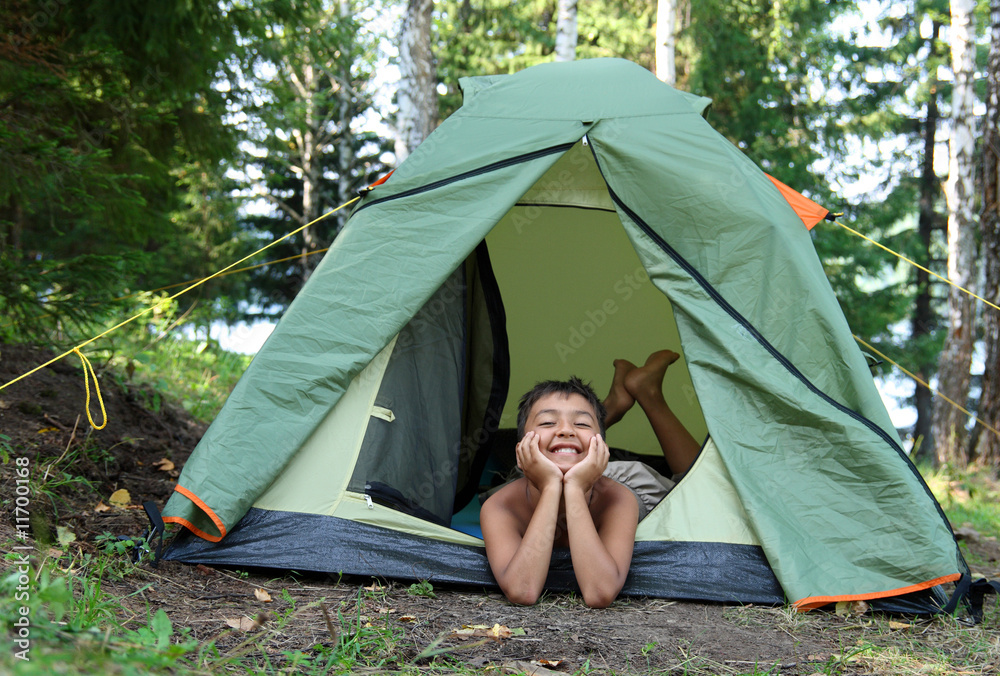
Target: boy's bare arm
520,563
601,555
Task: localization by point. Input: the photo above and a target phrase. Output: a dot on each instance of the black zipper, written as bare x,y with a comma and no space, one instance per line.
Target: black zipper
500,164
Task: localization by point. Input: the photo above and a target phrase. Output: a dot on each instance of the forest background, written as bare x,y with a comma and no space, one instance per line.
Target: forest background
144,145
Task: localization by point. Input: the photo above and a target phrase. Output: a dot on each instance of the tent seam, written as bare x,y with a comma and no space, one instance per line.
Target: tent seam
495,166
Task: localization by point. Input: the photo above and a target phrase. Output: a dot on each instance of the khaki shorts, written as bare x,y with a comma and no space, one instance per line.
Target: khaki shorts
648,485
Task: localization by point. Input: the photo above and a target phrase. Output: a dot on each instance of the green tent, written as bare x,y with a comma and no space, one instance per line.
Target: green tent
565,216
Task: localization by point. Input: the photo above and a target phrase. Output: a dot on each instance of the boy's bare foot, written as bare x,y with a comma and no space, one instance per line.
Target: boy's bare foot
619,401
646,382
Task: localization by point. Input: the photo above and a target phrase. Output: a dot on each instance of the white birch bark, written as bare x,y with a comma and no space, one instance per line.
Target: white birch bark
345,141
956,357
566,31
417,93
666,41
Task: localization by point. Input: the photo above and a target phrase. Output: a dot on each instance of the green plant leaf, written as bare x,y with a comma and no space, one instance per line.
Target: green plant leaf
162,628
65,536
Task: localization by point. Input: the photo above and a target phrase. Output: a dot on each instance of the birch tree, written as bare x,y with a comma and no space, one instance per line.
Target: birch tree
417,93
566,31
956,357
986,442
315,85
666,41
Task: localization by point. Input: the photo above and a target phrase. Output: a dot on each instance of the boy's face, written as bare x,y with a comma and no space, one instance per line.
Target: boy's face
565,424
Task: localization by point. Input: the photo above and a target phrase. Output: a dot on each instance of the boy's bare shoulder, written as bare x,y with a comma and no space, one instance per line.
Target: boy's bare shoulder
612,489
612,495
511,497
509,489
509,506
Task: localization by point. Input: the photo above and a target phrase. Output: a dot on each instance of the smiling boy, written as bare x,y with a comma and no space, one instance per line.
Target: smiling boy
564,499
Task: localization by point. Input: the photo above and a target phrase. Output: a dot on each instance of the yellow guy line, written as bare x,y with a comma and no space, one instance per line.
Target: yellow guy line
169,298
918,265
227,271
88,370
935,392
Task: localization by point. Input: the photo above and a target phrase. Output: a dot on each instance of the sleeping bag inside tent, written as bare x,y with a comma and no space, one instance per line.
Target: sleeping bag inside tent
563,217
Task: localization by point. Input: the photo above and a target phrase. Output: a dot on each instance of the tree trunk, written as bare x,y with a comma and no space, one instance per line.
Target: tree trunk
987,443
956,357
309,167
417,95
666,39
345,141
923,319
566,32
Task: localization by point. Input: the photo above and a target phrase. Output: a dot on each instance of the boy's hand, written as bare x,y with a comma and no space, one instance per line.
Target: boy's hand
538,469
586,473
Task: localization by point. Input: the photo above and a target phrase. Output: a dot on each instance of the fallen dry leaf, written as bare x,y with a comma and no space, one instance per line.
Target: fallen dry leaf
407,618
262,595
375,586
547,663
893,624
845,608
46,430
501,631
120,498
164,465
246,624
528,669
496,632
101,507
204,570
384,610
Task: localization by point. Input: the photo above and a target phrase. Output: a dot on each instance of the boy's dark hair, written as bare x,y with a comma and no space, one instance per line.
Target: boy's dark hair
565,387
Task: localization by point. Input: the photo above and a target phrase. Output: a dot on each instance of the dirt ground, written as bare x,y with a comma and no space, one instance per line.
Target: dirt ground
142,452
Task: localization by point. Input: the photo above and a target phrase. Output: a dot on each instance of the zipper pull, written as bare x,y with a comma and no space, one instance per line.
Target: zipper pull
368,498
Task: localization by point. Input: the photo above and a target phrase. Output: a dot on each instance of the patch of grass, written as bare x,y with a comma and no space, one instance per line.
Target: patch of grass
55,480
942,645
197,373
156,355
969,496
75,626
